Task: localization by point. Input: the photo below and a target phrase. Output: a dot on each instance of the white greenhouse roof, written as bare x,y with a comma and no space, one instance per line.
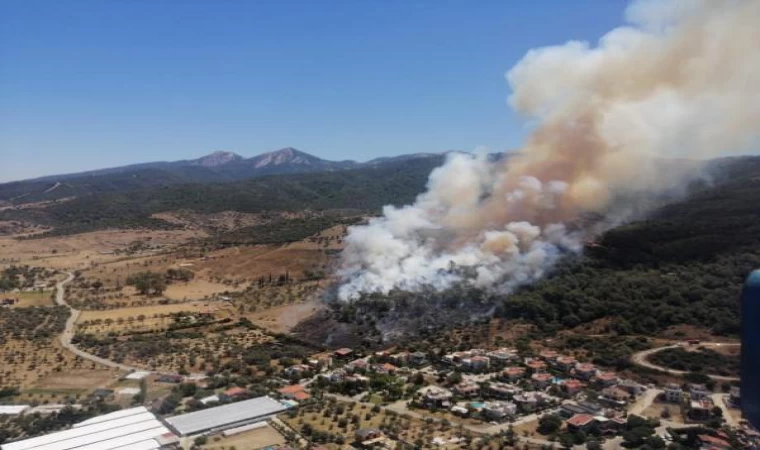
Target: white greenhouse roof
134,428
226,416
138,375
13,410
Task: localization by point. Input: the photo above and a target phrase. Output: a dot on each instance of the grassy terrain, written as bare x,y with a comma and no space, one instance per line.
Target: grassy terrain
702,360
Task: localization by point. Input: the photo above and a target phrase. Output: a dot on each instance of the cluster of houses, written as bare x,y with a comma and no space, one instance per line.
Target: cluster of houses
697,399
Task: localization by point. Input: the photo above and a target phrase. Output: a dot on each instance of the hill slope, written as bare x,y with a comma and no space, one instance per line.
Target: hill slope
216,167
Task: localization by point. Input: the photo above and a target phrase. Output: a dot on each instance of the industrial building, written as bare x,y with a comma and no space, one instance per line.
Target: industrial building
750,370
130,429
220,418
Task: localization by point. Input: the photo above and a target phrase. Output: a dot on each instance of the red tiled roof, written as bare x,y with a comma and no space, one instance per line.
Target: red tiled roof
606,376
542,376
343,351
301,396
292,389
389,367
580,420
514,370
585,367
714,441
573,384
234,391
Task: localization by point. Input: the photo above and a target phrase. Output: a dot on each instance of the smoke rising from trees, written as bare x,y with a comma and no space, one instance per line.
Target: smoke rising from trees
678,82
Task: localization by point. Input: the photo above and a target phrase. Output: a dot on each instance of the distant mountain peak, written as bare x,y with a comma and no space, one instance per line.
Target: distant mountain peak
283,156
217,158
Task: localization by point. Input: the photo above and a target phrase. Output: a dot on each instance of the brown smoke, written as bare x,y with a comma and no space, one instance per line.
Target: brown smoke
679,81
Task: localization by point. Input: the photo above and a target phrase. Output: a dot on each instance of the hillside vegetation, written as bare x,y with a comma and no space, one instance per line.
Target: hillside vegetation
365,189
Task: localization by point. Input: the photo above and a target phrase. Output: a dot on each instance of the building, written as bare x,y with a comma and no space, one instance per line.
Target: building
502,390
632,387
750,370
571,409
366,434
530,401
498,410
573,386
170,378
418,358
673,393
536,365
542,380
585,371
735,397
477,363
581,422
607,379
513,373
13,410
700,409
698,392
225,417
343,353
565,363
294,392
466,389
549,356
135,429
233,393
438,396
502,356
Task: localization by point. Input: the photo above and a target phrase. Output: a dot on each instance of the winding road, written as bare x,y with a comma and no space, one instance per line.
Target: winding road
68,332
642,359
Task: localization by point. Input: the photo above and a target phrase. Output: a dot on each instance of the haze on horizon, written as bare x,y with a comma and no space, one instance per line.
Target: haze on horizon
89,85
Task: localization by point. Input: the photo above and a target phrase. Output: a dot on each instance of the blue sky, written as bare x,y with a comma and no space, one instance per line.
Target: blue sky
87,84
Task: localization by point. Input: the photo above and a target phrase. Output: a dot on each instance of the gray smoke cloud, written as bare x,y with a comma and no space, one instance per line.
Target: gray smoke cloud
679,80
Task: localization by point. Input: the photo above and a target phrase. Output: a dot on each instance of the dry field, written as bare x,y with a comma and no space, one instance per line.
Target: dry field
152,317
282,319
326,417
249,440
33,298
82,250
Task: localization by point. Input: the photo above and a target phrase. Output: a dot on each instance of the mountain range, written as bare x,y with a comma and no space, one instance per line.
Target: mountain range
219,166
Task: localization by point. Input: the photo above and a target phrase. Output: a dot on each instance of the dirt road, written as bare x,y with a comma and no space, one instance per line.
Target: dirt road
642,359
68,332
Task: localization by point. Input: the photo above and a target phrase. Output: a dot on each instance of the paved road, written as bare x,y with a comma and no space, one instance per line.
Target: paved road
68,332
642,359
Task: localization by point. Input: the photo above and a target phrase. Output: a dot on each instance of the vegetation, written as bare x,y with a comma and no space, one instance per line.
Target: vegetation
704,360
366,189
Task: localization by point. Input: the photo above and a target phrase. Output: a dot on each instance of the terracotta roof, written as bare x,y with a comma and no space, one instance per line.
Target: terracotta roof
514,370
301,395
542,376
235,391
566,360
292,389
580,420
389,367
714,441
573,384
535,364
344,351
606,376
585,367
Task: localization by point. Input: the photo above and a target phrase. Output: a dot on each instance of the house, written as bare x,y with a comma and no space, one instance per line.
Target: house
530,401
294,392
698,392
466,389
476,363
418,358
585,371
8,301
297,370
631,387
581,422
542,380
170,378
711,442
700,409
502,390
673,393
565,363
499,410
607,379
616,394
550,356
385,368
536,365
613,424
572,386
571,409
502,356
365,434
513,373
400,358
210,399
358,365
438,396
343,353
232,393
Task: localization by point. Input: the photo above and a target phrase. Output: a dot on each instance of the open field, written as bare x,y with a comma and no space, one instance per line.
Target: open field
33,298
282,319
249,440
81,250
143,318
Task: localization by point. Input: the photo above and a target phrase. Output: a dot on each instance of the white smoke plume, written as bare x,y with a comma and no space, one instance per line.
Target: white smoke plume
680,80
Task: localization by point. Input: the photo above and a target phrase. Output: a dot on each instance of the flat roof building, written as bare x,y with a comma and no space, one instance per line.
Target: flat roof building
225,417
133,429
